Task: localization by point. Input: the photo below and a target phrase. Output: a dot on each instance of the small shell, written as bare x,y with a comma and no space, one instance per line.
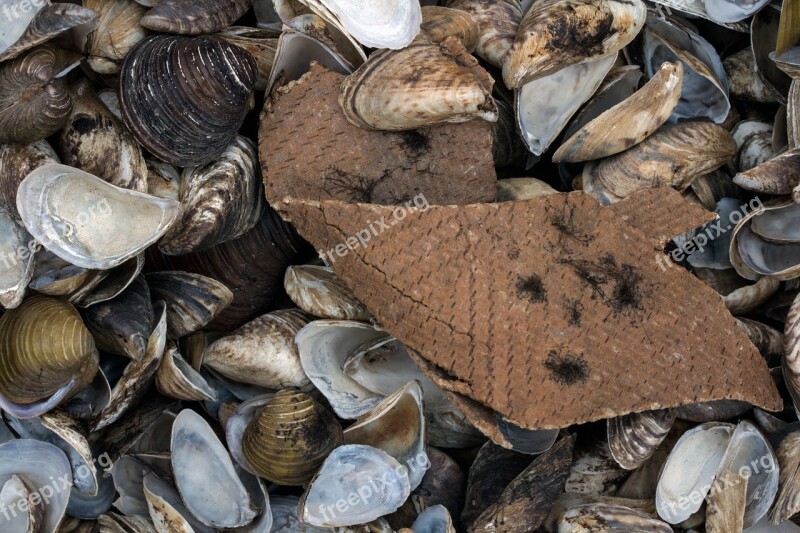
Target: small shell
608,518
749,298
219,202
497,23
117,31
434,519
753,142
163,505
594,470
16,492
633,438
290,438
262,352
176,379
193,17
779,175
745,82
787,503
555,34
262,45
791,352
447,85
512,189
319,292
726,503
439,23
49,21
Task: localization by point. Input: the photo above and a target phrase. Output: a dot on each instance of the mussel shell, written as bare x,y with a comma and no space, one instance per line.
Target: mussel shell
192,300
319,292
633,438
117,31
290,438
178,118
438,23
193,17
48,22
44,345
497,23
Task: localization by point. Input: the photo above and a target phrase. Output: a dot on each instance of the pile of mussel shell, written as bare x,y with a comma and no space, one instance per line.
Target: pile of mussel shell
175,358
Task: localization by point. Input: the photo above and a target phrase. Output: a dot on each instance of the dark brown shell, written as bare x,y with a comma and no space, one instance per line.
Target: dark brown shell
184,98
51,20
33,105
193,17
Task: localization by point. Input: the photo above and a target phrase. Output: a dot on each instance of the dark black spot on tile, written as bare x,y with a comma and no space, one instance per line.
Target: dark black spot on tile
532,288
415,142
566,369
626,294
574,311
513,254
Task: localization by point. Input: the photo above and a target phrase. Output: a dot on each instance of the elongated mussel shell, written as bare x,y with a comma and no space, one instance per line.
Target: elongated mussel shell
318,291
290,438
123,325
44,346
219,201
557,33
497,24
779,175
176,116
33,105
48,22
421,85
633,438
193,17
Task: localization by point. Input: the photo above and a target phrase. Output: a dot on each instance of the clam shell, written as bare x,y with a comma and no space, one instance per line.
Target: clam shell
345,471
49,21
177,379
778,254
444,484
33,105
176,118
768,340
117,31
779,175
447,85
95,141
14,491
262,352
262,45
555,34
63,350
629,122
754,143
17,268
439,23
192,300
451,429
111,283
606,517
78,216
507,147
166,509
193,17
16,162
285,519
716,253
497,23
319,292
198,460
290,438
219,202
594,470
396,426
713,411
787,502
633,438
238,421
117,523
744,80
434,519
163,180
726,503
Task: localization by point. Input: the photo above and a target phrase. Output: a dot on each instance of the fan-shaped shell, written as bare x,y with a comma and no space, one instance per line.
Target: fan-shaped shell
184,98
44,345
193,17
290,438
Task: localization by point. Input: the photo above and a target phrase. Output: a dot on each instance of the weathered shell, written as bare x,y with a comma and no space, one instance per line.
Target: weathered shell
199,460
594,470
336,50
511,189
111,283
788,61
790,362
48,22
177,379
633,438
95,141
262,352
124,324
14,492
44,345
116,32
319,292
754,143
16,162
79,217
673,156
434,519
192,300
33,103
744,80
118,523
193,17
420,85
164,506
787,503
396,426
163,180
171,113
765,242
497,23
290,438
262,45
439,23
767,339
17,259
555,34
763,39
726,503
219,202
749,298
389,24
779,175
629,122
346,470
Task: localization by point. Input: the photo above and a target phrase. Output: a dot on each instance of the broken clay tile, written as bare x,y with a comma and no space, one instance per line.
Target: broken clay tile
551,311
309,150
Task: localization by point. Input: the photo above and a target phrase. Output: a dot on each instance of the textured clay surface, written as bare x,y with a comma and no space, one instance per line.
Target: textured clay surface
551,311
309,150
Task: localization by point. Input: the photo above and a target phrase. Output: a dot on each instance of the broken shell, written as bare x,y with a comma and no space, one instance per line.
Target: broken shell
396,426
745,82
391,24
754,143
290,438
767,246
319,292
629,122
633,438
34,104
194,17
787,502
166,507
434,519
170,112
790,362
749,298
779,175
177,379
192,300
262,352
511,189
439,23
346,470
673,156
497,23
116,32
763,39
198,459
78,216
555,34
594,470
49,21
63,350
448,84
219,202
14,491
17,274
262,45
608,517
95,141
